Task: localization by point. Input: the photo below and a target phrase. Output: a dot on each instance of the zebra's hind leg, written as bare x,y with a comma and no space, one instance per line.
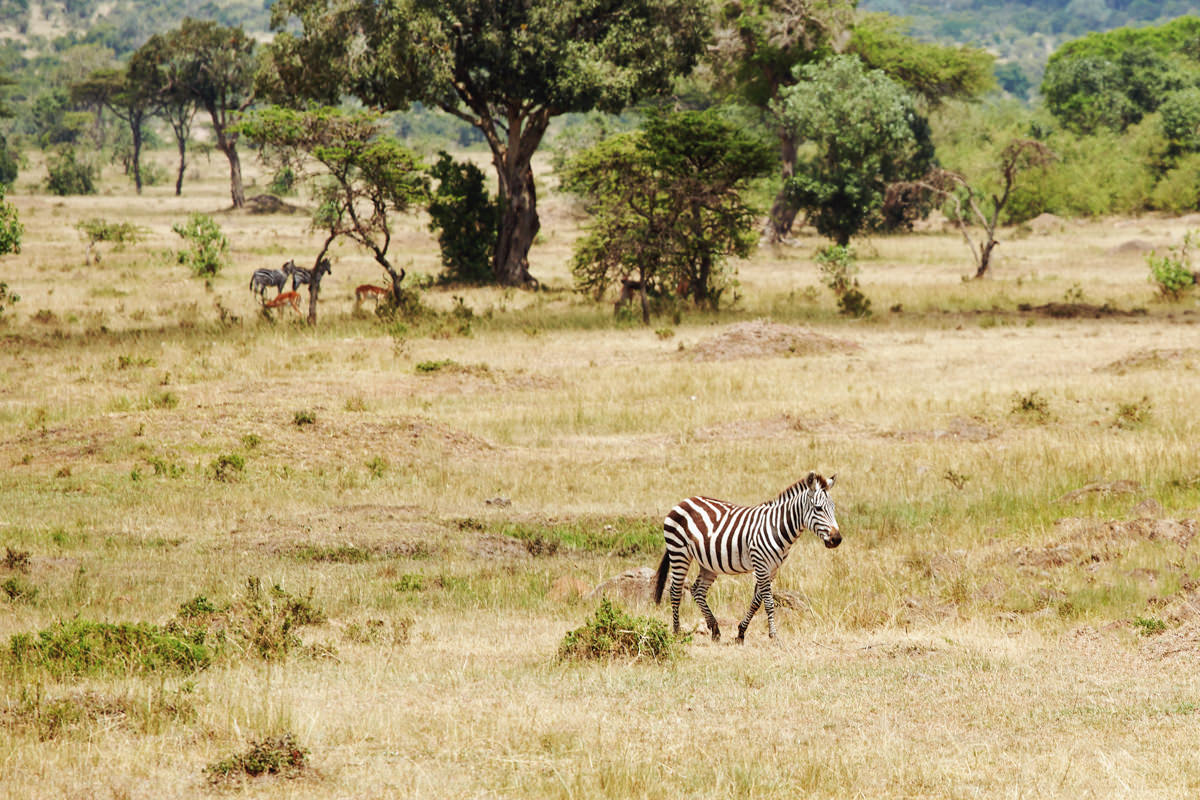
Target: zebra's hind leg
700,592
679,571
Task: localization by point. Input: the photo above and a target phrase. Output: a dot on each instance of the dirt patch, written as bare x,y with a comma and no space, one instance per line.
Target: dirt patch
1122,486
632,585
763,339
493,546
1077,311
1156,358
1089,541
269,204
962,429
1132,247
1046,223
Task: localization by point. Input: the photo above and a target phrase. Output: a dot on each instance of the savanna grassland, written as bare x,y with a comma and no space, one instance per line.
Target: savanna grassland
358,547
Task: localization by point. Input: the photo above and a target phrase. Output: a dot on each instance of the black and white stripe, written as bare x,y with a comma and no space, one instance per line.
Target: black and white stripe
262,279
300,275
727,539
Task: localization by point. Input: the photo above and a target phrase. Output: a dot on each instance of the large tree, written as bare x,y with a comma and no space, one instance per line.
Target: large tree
759,44
865,133
165,65
130,96
667,204
219,72
506,67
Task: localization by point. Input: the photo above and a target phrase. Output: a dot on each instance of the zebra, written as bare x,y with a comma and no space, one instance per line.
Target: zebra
731,540
264,278
300,275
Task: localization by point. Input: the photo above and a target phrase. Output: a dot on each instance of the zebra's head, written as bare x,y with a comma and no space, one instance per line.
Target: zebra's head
817,512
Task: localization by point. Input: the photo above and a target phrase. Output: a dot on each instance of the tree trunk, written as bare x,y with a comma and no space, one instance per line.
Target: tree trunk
519,225
182,166
783,214
320,270
985,256
228,146
137,157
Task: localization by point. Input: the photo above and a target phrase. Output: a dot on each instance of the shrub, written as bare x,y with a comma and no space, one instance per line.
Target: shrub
614,633
227,468
838,272
302,418
68,176
1172,272
207,248
1031,405
80,647
283,182
275,755
466,219
98,230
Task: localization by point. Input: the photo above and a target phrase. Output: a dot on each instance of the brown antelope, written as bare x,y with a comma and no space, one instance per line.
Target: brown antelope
369,290
285,298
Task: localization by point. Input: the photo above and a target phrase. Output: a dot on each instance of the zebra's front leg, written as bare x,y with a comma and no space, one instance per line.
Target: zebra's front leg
745,623
700,592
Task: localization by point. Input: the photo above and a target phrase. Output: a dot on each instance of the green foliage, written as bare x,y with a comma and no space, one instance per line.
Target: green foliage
101,230
1172,273
7,298
207,250
18,589
1133,415
865,134
838,272
67,175
613,633
11,231
1178,190
9,164
81,648
227,468
275,755
283,182
667,205
1179,116
1149,626
262,623
622,537
1031,406
466,219
304,417
1112,79
933,72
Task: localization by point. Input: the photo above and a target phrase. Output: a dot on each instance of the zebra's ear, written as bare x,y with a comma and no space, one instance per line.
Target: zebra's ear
810,480
829,483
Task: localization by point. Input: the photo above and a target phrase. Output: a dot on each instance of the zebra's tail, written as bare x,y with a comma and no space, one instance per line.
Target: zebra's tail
660,580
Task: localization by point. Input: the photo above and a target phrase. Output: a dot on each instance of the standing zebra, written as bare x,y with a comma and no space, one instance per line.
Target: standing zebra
732,540
300,275
264,278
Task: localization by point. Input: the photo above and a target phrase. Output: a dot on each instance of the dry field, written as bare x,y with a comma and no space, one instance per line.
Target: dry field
389,528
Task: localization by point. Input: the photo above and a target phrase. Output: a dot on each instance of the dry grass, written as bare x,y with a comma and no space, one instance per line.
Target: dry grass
985,630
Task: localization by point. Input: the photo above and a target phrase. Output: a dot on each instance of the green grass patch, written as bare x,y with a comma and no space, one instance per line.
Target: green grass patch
333,554
80,647
275,755
615,536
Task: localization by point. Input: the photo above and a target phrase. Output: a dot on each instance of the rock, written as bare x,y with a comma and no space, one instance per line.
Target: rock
633,585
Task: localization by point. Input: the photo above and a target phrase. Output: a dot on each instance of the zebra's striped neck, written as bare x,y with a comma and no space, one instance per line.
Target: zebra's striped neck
788,507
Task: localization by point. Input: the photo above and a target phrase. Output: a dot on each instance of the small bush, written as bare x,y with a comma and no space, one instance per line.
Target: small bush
434,366
261,622
838,270
275,755
613,633
466,219
16,560
67,175
1149,626
1172,272
207,251
227,468
283,182
1132,415
98,230
302,418
19,590
1031,405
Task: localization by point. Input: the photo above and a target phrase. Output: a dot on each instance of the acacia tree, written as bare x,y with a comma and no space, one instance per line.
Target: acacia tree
165,63
866,134
218,71
128,94
969,203
364,175
506,68
667,205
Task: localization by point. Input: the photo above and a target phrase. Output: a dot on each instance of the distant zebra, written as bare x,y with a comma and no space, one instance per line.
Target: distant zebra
264,278
731,540
300,275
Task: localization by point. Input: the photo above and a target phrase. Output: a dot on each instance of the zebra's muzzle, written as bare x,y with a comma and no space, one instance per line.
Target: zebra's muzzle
832,539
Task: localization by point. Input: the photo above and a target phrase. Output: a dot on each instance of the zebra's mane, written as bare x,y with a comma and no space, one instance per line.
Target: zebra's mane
807,482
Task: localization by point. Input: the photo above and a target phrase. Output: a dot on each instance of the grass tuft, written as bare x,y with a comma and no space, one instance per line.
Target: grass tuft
275,755
80,648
